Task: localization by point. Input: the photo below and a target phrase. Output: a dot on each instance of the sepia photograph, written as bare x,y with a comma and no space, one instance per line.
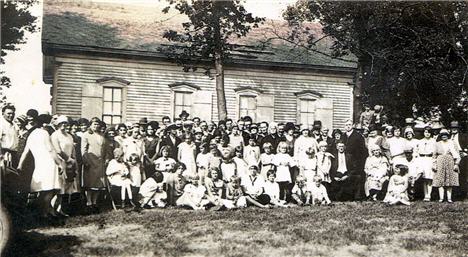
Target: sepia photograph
234,128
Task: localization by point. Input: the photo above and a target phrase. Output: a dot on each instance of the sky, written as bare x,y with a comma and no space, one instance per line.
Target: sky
24,67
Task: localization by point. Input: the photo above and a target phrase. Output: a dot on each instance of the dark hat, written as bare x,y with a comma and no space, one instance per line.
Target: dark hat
454,124
172,127
254,126
143,121
289,126
317,125
184,113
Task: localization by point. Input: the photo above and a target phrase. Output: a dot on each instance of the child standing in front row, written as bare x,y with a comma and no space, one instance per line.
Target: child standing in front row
283,162
252,153
318,192
308,167
398,186
266,159
241,165
165,164
203,161
137,174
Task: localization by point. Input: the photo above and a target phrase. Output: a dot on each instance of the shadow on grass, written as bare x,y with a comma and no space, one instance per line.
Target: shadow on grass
26,244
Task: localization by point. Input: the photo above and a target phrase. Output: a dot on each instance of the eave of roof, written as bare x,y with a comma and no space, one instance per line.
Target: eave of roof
51,49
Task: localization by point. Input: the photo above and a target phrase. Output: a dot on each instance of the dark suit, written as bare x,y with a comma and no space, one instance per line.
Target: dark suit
462,190
173,143
357,151
343,190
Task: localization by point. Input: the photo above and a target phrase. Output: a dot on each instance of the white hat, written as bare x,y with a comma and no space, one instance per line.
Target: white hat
304,127
374,147
444,131
322,143
408,129
61,119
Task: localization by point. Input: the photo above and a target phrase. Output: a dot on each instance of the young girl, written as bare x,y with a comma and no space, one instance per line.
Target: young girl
194,195
242,167
252,153
300,193
234,196
119,175
152,192
398,186
165,164
186,154
376,169
137,174
215,185
266,159
203,161
283,162
324,163
272,189
308,167
318,192
175,184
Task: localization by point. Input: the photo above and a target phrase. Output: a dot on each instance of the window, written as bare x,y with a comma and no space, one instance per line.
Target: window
248,106
306,111
182,102
112,106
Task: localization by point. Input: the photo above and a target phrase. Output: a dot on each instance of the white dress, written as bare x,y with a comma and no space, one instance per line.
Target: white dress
187,156
45,176
283,162
426,148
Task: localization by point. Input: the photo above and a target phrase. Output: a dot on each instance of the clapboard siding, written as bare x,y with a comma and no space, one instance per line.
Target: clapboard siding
149,94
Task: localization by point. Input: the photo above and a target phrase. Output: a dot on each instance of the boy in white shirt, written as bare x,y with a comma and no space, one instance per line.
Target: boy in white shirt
318,192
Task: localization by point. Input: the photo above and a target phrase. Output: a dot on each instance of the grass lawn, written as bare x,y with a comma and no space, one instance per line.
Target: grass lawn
346,229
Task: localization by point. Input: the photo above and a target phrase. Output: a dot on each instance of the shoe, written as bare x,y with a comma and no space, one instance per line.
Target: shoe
449,201
441,200
63,214
427,200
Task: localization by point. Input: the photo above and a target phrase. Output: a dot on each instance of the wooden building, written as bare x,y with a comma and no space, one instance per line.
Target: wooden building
102,62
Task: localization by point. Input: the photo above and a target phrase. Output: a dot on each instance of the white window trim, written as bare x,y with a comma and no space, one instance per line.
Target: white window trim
180,88
245,92
115,83
307,95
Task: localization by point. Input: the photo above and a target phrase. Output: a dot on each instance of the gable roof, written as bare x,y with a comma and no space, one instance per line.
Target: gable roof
140,28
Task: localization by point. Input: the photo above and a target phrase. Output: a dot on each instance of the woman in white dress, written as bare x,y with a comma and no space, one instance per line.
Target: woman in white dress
426,148
63,144
45,178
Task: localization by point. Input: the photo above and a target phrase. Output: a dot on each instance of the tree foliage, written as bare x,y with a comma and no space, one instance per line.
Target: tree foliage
16,20
207,35
409,52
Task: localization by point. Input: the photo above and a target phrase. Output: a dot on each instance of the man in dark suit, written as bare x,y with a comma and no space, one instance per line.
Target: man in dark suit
357,151
460,141
171,140
342,169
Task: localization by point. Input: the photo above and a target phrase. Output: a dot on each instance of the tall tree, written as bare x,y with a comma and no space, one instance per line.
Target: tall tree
16,19
408,52
207,36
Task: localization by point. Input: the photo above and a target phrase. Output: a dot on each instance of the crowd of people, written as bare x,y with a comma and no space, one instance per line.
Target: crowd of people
198,164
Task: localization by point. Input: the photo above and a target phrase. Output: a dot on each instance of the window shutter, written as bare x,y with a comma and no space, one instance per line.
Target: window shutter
91,101
265,108
201,106
324,112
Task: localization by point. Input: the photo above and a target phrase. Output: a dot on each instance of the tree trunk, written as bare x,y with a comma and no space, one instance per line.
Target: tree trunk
222,110
358,92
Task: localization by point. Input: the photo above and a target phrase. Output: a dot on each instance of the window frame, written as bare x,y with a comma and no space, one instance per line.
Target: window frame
306,95
104,101
118,83
247,92
181,87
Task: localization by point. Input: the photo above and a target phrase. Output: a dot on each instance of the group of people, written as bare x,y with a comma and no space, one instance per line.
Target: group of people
197,164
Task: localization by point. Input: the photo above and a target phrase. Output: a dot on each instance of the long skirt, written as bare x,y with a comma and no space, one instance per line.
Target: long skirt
445,175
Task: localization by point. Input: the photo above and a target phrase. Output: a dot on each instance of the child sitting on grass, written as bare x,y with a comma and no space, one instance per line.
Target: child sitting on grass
152,192
300,193
272,189
194,195
119,175
214,186
398,186
318,192
234,196
253,187
175,184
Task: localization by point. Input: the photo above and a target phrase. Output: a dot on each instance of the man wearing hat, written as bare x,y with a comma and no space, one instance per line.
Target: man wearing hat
316,127
460,140
171,140
184,115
